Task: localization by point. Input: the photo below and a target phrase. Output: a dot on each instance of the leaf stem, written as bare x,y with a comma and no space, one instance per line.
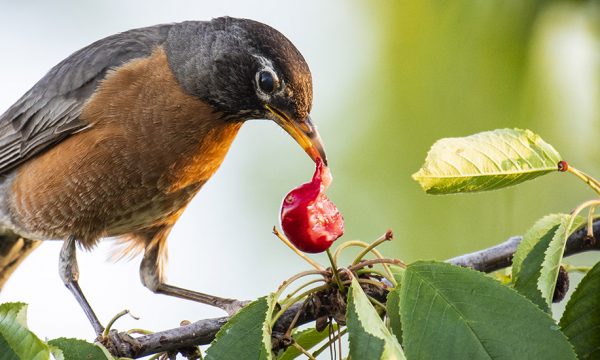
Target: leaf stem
593,183
300,253
573,268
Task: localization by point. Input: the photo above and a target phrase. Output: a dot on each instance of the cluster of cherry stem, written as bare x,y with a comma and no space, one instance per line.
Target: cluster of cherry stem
361,269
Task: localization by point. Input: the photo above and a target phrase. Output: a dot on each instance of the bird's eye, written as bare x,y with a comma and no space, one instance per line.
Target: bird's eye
267,81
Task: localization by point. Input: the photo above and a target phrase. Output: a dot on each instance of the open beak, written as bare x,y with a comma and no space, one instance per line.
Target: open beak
304,132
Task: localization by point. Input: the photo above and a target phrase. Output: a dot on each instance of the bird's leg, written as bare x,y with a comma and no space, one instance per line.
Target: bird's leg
151,278
69,273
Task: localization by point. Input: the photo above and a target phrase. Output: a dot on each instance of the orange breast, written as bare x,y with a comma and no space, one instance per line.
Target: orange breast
149,150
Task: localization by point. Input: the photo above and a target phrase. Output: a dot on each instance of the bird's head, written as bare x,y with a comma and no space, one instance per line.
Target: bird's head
246,70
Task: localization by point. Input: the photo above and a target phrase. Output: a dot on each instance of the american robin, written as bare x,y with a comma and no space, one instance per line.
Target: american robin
117,138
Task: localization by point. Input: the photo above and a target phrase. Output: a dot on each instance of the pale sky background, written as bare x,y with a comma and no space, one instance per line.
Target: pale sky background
221,245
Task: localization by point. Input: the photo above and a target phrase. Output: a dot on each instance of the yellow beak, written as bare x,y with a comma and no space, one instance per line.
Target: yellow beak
304,132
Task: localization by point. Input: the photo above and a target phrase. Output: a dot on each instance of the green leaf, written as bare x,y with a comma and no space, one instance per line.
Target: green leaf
537,259
581,320
543,227
75,349
369,338
247,335
393,313
307,338
554,255
526,280
16,341
486,161
449,312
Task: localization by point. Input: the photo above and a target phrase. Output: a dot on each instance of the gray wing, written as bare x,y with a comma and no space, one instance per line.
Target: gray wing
50,110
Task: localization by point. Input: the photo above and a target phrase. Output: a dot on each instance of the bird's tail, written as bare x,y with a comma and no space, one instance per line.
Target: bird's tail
13,250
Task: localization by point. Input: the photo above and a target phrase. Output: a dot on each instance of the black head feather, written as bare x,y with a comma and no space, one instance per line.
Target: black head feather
220,62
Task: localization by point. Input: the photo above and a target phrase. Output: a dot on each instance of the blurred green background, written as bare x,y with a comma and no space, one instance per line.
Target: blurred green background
390,78
455,68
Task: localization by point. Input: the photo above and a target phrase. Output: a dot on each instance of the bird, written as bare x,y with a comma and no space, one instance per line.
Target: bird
116,139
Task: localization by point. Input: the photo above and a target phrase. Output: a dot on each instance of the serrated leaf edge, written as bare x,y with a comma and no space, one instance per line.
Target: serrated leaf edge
567,224
391,344
528,242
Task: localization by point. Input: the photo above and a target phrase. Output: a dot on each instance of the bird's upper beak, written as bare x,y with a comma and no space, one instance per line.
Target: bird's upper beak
303,131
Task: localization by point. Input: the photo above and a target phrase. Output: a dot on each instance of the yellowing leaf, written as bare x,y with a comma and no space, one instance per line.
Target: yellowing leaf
486,161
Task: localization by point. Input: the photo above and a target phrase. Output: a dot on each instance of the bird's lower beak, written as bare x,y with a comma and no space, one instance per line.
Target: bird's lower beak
304,132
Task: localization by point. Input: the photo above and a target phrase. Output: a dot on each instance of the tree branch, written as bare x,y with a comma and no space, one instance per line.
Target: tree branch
500,256
203,332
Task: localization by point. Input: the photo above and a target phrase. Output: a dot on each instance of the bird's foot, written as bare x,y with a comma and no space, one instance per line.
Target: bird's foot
232,306
119,343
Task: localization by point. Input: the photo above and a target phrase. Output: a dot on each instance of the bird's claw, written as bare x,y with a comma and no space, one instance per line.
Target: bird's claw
118,343
234,306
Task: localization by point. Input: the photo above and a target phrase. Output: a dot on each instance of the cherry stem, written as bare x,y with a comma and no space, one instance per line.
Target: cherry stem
385,237
369,271
300,253
288,332
593,183
388,236
372,250
339,249
364,263
303,286
578,209
289,302
376,302
365,281
304,352
289,281
328,343
590,221
115,318
334,269
139,331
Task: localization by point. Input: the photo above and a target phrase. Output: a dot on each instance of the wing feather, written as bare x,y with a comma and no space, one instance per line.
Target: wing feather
50,110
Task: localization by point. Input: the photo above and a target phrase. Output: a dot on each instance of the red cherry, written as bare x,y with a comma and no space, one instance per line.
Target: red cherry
309,219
